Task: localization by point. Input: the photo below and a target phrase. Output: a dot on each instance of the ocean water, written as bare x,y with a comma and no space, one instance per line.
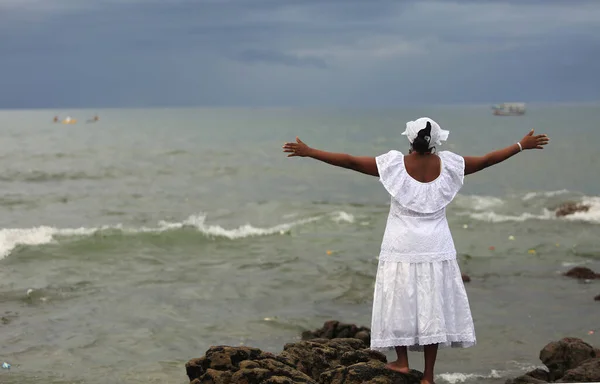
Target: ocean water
131,245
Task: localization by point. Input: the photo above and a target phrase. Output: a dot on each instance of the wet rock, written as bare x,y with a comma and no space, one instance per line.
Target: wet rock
565,354
586,372
582,273
368,372
569,360
466,278
533,377
227,365
319,355
570,207
335,330
335,361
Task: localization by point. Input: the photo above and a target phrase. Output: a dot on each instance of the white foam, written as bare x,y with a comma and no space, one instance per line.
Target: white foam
342,216
458,377
247,230
479,203
568,264
493,217
533,195
12,237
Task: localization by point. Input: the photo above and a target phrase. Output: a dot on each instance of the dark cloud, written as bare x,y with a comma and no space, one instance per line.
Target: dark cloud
309,52
266,56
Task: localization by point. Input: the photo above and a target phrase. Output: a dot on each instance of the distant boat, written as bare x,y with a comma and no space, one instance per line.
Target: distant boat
68,120
509,109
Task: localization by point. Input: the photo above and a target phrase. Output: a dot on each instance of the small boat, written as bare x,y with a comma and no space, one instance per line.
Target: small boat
509,109
68,120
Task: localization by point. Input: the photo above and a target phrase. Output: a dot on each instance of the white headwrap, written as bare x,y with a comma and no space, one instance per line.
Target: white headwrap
437,134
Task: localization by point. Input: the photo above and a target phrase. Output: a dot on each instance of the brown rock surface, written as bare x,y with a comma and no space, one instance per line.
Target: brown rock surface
570,208
373,372
582,273
565,354
333,329
586,372
335,361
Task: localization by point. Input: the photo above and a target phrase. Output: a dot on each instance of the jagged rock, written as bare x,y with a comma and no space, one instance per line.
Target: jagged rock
336,361
565,354
586,372
373,372
228,365
319,355
582,273
537,376
335,330
570,208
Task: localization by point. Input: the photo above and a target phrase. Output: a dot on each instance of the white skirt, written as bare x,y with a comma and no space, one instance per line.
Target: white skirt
417,304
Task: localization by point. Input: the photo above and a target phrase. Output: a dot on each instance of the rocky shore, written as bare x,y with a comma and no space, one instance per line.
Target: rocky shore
338,353
569,360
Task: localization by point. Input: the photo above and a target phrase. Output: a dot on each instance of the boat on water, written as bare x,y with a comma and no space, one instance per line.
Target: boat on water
69,120
509,109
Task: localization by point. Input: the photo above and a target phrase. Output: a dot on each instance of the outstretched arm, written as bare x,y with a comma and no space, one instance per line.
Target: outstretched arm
475,164
363,164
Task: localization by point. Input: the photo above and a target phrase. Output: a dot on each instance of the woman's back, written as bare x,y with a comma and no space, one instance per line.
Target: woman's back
421,186
423,168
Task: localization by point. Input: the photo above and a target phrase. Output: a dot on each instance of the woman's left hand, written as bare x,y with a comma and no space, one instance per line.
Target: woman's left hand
296,149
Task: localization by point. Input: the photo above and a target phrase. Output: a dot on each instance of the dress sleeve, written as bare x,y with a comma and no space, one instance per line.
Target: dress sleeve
390,166
455,166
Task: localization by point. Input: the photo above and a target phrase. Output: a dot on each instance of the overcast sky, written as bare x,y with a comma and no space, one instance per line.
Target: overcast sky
105,53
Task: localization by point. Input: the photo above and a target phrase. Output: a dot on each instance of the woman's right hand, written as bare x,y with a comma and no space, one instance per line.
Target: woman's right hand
534,142
296,149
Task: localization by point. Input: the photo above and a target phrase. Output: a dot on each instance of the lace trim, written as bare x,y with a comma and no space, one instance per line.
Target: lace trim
459,340
416,258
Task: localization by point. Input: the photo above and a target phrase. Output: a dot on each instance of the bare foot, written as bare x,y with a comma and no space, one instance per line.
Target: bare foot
394,366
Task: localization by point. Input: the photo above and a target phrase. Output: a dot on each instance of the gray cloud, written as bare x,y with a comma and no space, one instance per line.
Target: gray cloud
327,52
266,56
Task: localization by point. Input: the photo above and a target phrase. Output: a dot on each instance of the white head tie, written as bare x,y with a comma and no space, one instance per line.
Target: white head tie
437,134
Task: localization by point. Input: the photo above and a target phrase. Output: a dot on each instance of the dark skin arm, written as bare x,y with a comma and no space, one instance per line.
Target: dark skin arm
362,164
477,163
367,165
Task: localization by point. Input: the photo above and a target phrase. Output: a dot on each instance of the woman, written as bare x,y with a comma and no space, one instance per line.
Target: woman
419,301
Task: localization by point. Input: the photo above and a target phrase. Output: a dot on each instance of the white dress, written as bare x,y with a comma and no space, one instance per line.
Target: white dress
419,296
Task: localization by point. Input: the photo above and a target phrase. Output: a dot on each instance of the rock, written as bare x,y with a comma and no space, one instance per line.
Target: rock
319,355
565,354
587,372
582,273
335,361
570,208
368,372
597,298
365,336
335,330
533,377
466,278
227,365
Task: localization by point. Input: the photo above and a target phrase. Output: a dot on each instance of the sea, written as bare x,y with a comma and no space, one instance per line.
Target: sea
132,244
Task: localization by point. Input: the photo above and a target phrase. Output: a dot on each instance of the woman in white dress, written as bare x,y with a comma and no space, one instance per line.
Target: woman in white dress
419,301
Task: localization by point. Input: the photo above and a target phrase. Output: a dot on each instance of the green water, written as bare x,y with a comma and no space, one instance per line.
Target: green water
152,234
